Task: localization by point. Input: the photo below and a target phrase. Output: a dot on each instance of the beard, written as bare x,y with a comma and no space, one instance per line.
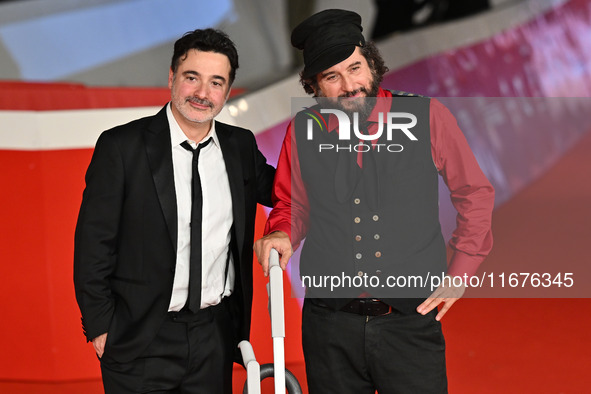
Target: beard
360,105
192,115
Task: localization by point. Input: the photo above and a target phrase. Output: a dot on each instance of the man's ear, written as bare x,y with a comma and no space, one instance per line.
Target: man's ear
170,78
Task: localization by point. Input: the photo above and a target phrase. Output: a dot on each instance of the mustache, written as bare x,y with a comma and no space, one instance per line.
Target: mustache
197,100
354,92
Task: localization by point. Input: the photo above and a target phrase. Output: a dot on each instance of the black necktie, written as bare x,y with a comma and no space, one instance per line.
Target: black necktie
194,298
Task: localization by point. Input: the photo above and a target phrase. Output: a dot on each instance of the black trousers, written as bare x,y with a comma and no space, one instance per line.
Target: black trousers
393,354
192,353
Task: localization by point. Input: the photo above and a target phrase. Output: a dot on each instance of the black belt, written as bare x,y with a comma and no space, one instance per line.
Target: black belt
367,307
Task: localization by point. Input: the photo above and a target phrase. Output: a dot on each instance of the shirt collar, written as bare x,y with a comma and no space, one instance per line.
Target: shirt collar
382,105
177,136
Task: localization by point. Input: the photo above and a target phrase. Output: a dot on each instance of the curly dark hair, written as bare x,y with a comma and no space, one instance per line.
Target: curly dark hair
206,40
374,59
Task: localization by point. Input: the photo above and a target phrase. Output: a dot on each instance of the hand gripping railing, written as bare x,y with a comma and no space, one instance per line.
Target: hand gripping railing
254,372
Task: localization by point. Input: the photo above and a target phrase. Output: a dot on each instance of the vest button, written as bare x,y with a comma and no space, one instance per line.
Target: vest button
357,201
376,237
376,218
360,273
358,256
358,238
357,219
378,254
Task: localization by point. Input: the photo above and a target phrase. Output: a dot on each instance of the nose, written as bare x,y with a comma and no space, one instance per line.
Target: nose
201,90
347,84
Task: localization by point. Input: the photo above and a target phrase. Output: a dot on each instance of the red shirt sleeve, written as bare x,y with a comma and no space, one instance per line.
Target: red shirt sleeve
290,202
472,195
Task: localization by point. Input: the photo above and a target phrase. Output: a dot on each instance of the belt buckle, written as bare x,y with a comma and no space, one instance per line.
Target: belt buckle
378,304
389,311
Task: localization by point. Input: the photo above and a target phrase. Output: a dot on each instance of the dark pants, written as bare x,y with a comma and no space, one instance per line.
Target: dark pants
393,354
192,353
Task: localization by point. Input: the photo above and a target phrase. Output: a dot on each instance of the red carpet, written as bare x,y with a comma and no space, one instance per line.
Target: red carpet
531,345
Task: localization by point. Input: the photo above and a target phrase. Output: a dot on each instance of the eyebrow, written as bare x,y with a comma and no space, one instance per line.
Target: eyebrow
326,74
192,72
357,63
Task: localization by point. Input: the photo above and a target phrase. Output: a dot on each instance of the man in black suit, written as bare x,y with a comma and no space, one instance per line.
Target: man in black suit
165,302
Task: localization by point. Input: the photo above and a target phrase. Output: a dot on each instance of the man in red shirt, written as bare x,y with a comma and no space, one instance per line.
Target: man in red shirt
367,203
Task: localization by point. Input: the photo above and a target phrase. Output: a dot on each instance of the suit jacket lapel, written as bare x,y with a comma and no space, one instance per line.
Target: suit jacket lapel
159,153
231,153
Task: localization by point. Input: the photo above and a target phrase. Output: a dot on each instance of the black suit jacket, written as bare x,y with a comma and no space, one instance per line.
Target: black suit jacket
126,235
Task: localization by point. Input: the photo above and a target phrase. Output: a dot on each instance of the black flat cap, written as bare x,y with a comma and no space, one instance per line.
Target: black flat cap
327,38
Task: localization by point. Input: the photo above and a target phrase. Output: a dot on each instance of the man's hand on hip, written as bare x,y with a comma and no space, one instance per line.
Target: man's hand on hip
444,293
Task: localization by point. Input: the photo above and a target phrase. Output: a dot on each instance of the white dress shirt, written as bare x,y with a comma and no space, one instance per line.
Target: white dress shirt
216,223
